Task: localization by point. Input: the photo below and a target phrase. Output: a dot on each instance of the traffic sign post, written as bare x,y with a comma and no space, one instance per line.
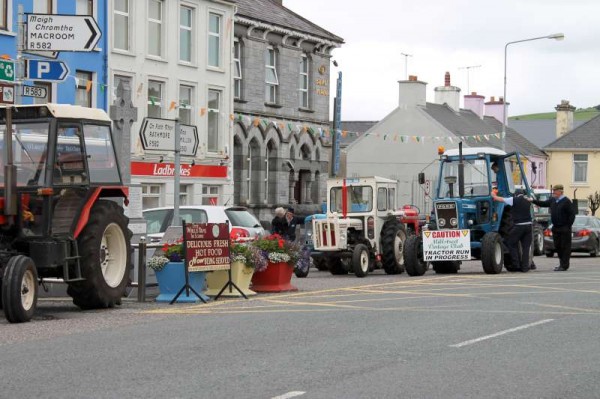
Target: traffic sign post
35,91
7,70
53,71
158,136
55,32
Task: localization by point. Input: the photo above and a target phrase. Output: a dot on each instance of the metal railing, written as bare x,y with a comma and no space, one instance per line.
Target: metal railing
141,284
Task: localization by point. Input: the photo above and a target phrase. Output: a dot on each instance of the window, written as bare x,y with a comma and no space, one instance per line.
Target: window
271,79
100,152
580,165
185,194
69,165
303,85
237,69
83,96
214,40
155,91
210,195
121,25
151,195
193,215
214,105
48,98
155,15
381,199
185,34
185,104
582,207
392,198
42,6
3,14
84,7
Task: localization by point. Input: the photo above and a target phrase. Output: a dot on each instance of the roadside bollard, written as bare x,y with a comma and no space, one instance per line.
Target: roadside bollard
141,294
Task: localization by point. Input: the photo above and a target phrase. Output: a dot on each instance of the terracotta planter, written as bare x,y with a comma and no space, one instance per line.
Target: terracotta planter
276,278
241,275
172,277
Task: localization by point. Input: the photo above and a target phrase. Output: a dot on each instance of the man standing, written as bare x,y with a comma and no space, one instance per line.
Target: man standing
521,231
292,222
562,215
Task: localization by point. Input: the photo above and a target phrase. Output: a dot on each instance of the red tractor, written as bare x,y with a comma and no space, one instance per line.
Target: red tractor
61,214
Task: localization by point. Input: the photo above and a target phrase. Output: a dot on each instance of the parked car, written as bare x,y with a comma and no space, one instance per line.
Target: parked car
242,224
586,236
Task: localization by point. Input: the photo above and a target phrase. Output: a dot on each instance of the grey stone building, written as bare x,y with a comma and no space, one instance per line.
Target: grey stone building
282,65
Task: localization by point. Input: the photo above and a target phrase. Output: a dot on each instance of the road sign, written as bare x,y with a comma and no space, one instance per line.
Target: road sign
35,91
7,94
55,71
52,32
158,135
7,70
46,54
446,245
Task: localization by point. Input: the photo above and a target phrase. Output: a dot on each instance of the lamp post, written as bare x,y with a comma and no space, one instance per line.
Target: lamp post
555,36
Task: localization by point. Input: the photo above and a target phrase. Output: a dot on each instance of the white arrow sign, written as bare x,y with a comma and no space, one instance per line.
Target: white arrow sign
158,136
50,32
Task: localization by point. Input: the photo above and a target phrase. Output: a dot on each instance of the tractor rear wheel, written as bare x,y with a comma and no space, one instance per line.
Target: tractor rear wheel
361,260
413,256
337,267
492,253
446,267
105,258
19,289
393,237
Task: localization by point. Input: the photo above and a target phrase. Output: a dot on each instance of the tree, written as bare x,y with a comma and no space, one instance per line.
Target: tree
594,202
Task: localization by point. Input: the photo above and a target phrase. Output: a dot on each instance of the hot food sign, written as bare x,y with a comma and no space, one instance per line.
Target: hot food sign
206,246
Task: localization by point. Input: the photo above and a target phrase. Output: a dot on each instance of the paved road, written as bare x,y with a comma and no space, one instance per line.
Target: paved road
470,335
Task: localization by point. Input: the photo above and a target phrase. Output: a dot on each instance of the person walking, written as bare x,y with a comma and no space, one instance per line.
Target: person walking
562,215
521,231
279,225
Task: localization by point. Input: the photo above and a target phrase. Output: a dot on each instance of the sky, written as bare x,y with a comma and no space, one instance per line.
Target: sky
449,35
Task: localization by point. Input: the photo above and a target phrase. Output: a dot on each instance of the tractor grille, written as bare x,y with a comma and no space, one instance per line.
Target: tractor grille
446,215
325,234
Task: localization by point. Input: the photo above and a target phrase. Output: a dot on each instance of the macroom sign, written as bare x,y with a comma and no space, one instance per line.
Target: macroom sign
207,246
451,245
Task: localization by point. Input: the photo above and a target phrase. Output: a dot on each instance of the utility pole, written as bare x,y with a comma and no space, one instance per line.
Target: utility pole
406,64
468,68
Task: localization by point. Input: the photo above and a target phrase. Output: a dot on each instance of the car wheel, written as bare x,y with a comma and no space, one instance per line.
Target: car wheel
596,249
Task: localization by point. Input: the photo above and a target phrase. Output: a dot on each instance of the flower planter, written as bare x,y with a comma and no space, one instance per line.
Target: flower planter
172,277
276,278
240,275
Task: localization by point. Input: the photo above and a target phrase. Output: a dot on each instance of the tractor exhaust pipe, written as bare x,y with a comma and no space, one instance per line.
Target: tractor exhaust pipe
10,170
461,172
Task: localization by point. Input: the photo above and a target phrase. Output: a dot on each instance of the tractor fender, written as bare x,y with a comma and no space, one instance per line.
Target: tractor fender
99,192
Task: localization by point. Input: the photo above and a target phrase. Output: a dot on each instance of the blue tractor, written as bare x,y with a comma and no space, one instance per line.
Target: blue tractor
463,206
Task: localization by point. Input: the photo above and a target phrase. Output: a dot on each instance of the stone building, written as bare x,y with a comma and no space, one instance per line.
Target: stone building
282,66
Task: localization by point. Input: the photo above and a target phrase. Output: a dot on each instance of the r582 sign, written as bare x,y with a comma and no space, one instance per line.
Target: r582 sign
35,91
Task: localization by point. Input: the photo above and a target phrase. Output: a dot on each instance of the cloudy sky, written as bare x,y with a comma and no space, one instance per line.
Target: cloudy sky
445,35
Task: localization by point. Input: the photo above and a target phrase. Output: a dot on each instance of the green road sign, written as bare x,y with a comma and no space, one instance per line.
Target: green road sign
7,71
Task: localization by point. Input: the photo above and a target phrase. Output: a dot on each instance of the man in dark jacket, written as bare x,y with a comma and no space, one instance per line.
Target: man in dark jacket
521,231
562,215
292,222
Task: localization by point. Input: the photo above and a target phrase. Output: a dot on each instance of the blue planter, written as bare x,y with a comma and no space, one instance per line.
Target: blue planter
172,277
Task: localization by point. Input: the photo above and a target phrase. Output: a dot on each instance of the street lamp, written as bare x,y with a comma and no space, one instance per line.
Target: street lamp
555,36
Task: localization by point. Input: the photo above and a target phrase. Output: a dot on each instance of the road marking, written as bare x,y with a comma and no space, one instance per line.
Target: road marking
288,395
474,341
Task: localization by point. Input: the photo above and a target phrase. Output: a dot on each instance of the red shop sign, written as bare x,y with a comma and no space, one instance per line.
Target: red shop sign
168,170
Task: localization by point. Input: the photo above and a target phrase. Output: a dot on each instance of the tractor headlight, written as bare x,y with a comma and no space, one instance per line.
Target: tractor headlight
343,235
470,222
442,222
453,222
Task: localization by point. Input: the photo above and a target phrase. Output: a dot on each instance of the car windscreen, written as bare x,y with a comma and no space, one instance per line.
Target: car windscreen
241,218
155,221
193,215
582,222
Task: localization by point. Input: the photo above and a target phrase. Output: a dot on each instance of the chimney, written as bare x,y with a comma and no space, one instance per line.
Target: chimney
412,92
564,118
448,94
474,102
495,108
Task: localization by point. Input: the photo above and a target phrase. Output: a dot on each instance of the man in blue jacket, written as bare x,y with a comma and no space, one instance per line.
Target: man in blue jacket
562,214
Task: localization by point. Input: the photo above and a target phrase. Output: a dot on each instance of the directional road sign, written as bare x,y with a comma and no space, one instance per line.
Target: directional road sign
7,70
52,32
55,71
158,136
34,91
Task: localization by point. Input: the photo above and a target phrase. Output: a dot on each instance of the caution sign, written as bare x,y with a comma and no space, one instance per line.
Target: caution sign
207,246
450,245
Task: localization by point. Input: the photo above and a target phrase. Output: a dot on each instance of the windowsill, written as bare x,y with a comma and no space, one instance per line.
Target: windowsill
273,105
215,69
308,110
7,33
123,52
240,101
155,58
187,64
586,184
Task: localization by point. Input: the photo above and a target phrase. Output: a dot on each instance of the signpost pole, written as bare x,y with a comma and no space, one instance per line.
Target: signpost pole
20,47
177,173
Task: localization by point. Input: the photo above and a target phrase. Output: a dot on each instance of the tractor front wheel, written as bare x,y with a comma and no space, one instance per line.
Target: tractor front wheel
413,256
492,253
393,237
19,289
361,260
104,247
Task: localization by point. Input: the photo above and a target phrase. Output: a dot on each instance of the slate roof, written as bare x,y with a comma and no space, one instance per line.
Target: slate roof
586,136
355,129
270,12
540,132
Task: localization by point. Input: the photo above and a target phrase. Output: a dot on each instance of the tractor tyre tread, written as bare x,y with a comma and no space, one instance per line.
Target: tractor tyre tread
388,238
413,256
